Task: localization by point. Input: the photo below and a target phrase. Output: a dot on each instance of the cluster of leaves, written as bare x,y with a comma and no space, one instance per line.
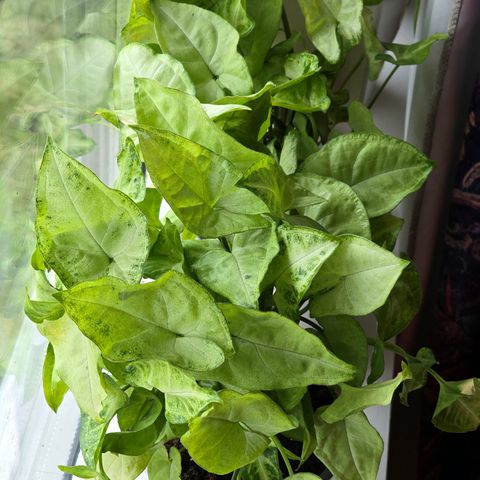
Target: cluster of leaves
216,324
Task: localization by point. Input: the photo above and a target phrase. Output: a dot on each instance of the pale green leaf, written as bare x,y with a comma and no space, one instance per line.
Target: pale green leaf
355,399
166,253
419,366
234,12
297,146
38,311
77,364
206,44
199,185
303,476
130,179
360,118
84,229
351,449
169,109
139,30
54,388
124,467
266,16
303,251
339,209
458,406
265,467
79,471
171,319
247,421
234,274
276,353
307,96
138,61
356,279
333,26
412,54
184,398
381,170
401,306
141,411
165,465
385,230
346,339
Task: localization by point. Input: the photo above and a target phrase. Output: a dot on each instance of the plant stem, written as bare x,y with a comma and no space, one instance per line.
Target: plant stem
279,446
235,475
384,84
352,72
286,25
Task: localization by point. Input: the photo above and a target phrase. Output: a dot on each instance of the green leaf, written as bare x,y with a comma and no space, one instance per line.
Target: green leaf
84,229
184,398
169,109
166,253
310,95
133,443
355,399
165,465
266,16
124,467
333,26
356,279
79,471
234,12
297,146
419,366
413,54
234,274
142,410
339,209
347,341
139,30
92,434
54,388
206,44
377,363
247,421
77,363
171,319
401,306
351,449
265,467
138,61
458,406
372,45
39,311
75,73
249,124
303,476
288,398
130,180
360,118
150,207
381,170
199,185
385,230
303,251
272,352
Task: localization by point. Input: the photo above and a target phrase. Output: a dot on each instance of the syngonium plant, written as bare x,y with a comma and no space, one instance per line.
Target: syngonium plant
227,330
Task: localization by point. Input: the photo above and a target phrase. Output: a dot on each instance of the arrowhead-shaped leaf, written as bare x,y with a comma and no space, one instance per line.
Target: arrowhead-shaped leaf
171,319
234,274
138,61
272,352
356,279
246,420
206,44
381,170
184,398
169,109
199,185
351,449
86,230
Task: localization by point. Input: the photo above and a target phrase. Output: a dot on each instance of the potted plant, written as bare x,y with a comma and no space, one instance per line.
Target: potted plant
223,337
